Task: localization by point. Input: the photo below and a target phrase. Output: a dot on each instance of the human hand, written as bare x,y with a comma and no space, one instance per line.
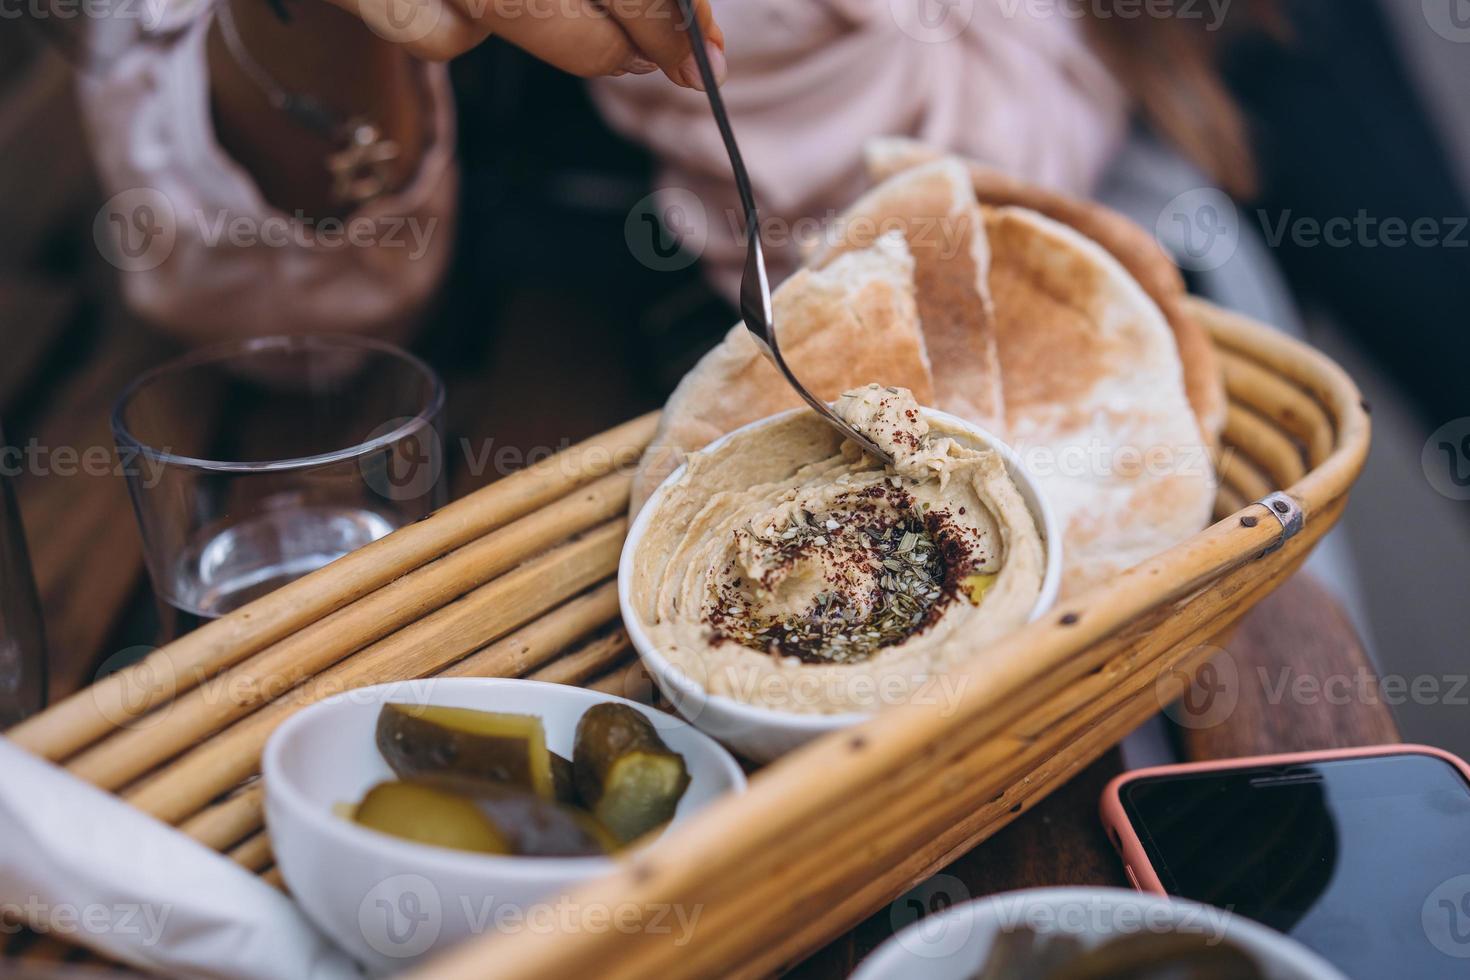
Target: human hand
585,37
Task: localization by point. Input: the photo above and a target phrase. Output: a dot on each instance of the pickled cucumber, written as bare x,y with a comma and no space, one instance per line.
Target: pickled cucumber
541,828
625,774
459,748
427,815
563,780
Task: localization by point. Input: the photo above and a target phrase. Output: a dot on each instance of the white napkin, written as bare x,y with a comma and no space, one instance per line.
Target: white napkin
82,864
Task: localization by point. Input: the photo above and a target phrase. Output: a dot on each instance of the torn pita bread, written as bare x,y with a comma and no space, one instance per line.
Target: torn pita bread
1131,245
846,325
1095,398
934,206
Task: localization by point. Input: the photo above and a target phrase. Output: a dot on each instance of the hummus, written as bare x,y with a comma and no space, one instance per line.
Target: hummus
788,569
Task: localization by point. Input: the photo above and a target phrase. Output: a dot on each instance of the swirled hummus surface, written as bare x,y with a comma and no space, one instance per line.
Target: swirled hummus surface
788,569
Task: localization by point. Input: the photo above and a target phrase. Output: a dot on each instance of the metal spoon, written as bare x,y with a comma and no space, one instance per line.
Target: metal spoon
755,285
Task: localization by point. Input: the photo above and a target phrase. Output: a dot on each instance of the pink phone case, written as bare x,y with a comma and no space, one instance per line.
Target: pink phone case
1136,863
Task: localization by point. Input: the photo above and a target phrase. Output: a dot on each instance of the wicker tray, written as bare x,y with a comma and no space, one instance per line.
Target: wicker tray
516,579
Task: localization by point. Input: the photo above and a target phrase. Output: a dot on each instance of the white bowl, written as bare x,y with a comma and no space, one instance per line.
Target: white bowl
762,734
954,944
391,902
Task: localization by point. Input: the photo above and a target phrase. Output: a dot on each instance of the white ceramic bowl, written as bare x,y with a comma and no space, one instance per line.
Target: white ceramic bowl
391,902
762,734
954,944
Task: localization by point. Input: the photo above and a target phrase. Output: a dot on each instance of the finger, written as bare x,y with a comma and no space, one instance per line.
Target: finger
659,29
576,36
429,29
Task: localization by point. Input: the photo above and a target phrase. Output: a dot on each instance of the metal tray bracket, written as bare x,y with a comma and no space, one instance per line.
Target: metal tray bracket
1288,512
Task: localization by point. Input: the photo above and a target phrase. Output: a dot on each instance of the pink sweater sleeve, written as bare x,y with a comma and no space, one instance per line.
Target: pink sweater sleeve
811,81
201,252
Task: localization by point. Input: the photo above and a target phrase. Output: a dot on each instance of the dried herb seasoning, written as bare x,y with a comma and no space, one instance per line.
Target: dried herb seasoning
890,569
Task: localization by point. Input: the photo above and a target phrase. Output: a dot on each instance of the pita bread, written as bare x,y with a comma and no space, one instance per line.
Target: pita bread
1095,398
934,206
843,326
1095,392
1131,245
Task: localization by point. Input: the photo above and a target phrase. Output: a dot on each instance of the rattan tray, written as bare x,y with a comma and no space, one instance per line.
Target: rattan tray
516,579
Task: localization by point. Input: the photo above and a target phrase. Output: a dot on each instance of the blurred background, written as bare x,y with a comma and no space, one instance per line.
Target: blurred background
1307,162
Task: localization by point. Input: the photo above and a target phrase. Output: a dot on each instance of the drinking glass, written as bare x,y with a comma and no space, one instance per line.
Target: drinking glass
22,640
253,463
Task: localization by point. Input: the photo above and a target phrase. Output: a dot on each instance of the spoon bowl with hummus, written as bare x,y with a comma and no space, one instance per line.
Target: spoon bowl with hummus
783,584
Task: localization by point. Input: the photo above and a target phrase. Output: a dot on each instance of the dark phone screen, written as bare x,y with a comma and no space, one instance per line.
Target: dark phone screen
1366,861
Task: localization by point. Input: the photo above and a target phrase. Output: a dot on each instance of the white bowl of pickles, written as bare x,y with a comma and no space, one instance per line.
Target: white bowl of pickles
407,817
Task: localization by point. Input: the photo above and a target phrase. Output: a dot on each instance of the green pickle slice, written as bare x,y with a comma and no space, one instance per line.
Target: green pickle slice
460,749
563,780
542,828
502,821
625,774
427,815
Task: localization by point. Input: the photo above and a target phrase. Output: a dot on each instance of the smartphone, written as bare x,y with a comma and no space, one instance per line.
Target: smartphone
1363,855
